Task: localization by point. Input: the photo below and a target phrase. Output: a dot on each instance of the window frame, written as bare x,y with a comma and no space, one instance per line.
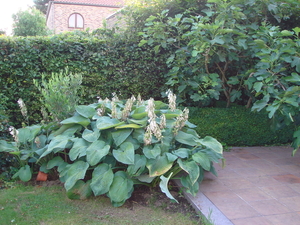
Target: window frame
76,15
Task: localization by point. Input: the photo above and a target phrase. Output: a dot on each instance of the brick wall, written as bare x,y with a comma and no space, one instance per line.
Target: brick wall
116,20
93,16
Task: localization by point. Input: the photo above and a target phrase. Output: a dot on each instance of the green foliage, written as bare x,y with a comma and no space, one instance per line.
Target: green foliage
211,52
29,23
275,78
60,93
41,5
29,143
113,145
232,50
238,126
8,166
106,67
3,116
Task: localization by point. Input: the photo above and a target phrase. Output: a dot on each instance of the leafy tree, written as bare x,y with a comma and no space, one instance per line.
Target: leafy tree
137,11
41,5
30,22
2,32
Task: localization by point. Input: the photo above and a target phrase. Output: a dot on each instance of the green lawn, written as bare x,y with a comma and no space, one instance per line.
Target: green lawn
24,205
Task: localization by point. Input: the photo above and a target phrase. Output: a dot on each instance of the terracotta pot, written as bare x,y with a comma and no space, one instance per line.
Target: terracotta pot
42,176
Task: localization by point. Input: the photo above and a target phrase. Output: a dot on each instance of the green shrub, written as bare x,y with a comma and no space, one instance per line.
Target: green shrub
107,66
8,166
3,117
238,126
110,146
60,94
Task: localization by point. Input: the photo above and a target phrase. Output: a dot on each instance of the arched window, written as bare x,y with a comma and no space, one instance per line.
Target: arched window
76,21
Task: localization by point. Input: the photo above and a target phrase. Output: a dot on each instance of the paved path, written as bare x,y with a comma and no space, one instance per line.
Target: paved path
258,186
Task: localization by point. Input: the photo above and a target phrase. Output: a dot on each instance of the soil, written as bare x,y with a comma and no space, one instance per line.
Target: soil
153,197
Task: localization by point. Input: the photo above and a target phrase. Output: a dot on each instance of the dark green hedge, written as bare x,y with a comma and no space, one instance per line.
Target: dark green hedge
238,126
107,66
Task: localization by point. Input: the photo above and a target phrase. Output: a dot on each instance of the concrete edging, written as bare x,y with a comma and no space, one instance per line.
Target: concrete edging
202,204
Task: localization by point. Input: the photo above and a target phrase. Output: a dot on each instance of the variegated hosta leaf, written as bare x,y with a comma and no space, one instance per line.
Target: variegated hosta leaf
163,184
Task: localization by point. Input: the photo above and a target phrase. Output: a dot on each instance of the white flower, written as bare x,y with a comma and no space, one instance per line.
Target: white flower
14,132
148,136
127,108
150,109
172,100
163,121
180,121
22,107
113,110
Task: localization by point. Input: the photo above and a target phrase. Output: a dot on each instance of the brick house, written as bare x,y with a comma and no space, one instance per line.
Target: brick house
67,15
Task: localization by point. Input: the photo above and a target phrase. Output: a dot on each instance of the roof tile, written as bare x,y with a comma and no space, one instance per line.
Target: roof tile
117,3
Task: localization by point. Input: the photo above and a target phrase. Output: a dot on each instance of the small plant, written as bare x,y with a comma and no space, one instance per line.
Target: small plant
29,143
26,148
112,145
60,94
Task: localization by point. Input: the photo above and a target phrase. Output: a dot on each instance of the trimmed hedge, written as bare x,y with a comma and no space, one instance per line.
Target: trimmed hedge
238,126
107,66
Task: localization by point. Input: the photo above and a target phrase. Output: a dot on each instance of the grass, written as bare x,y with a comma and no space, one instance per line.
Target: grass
23,205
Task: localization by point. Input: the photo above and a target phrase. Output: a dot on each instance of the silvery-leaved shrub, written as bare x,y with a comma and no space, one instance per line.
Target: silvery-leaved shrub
60,93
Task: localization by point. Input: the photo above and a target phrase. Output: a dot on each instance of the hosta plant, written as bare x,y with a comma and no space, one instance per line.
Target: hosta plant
114,145
28,145
111,146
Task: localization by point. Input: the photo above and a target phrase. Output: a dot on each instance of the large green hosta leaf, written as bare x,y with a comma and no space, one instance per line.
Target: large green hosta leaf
24,173
182,152
145,178
125,154
143,122
71,130
102,179
77,120
120,189
85,111
8,147
190,187
211,143
106,122
75,172
138,167
27,134
56,161
63,128
158,166
202,159
186,138
79,148
139,113
90,135
163,184
57,144
152,152
96,151
80,190
191,168
120,136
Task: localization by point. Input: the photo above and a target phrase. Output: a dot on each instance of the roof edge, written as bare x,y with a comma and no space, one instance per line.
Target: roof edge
87,4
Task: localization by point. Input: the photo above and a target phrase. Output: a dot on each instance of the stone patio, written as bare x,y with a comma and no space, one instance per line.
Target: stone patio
259,185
